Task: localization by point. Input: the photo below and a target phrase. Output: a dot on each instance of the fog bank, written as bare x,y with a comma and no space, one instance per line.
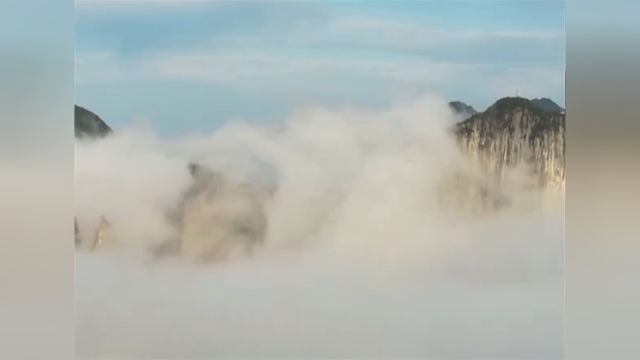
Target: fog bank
367,252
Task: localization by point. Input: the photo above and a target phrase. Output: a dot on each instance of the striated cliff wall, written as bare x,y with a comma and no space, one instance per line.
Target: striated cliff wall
517,133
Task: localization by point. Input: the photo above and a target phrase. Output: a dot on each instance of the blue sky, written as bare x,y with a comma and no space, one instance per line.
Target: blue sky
190,66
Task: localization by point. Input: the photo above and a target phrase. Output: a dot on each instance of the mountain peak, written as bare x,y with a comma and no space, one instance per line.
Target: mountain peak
516,130
538,105
89,125
511,102
508,104
460,107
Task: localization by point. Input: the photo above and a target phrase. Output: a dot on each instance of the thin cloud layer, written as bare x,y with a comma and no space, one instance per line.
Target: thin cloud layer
301,53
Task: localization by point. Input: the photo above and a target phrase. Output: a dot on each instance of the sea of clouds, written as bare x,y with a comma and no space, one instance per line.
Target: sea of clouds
362,255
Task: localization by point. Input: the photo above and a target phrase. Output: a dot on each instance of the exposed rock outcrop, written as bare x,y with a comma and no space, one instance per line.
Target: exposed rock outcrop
516,132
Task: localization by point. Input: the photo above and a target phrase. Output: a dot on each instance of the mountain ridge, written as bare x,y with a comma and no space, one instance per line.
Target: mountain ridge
547,104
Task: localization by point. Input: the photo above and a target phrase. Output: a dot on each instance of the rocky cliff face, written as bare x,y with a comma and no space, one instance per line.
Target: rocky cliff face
515,132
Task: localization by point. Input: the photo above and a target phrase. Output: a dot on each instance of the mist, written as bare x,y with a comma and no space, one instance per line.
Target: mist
367,250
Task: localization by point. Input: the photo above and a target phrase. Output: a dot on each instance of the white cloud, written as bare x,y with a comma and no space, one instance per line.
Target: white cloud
342,54
376,34
265,70
301,75
242,67
360,259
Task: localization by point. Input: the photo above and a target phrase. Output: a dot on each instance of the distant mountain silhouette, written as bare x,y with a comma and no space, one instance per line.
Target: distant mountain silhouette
89,125
460,107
